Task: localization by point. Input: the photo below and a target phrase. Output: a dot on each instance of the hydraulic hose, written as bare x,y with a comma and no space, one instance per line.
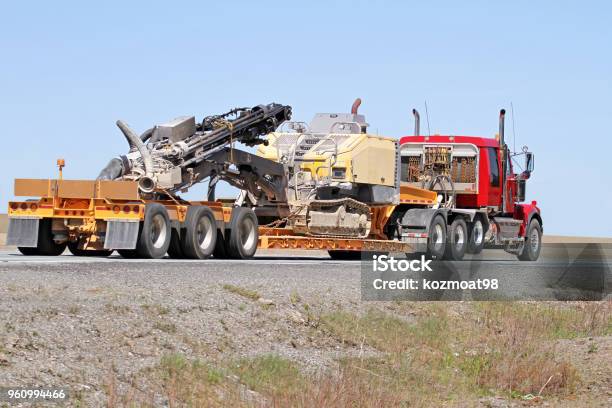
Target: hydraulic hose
113,170
136,144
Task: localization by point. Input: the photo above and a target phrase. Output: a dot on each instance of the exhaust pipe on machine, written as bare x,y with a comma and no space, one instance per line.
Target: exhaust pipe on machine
417,122
146,184
504,155
355,111
355,106
502,116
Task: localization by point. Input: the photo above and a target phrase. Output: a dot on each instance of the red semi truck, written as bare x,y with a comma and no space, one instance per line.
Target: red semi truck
481,194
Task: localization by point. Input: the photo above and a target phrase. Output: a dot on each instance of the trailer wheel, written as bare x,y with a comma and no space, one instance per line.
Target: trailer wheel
457,240
45,245
477,235
436,240
533,242
243,234
175,250
200,233
73,247
28,251
154,234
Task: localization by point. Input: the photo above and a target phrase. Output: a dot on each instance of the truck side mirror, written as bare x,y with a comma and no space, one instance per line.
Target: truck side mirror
529,161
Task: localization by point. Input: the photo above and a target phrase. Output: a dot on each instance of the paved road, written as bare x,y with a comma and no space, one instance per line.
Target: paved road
551,253
583,269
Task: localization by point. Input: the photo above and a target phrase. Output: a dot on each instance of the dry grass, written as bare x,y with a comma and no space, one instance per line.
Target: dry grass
431,358
165,326
385,332
244,292
270,374
515,351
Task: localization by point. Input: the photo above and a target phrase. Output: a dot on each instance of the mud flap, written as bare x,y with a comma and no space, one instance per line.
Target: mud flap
23,232
121,234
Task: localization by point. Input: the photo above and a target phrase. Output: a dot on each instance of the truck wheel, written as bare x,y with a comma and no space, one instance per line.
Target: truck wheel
28,251
175,250
73,247
477,234
155,231
45,245
243,234
436,240
457,240
200,233
533,242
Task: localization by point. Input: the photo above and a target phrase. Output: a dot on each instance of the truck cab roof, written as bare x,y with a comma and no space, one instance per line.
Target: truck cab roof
475,140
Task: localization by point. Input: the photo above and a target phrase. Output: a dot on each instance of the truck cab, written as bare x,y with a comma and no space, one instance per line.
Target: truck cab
478,178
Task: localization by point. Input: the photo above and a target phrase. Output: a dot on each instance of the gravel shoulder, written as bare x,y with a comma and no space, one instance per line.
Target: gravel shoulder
81,324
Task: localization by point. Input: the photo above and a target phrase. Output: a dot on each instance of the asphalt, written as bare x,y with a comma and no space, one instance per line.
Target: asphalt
564,271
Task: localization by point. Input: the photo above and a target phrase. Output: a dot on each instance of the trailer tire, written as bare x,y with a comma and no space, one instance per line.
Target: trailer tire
477,233
533,242
175,250
28,251
457,240
73,247
243,234
45,244
155,232
200,235
436,238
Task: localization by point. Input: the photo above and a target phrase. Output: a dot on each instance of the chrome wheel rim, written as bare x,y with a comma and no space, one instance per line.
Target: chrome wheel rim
438,240
204,232
159,230
459,237
534,241
478,232
247,233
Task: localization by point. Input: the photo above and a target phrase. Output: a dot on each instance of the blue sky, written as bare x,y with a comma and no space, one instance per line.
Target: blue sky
69,71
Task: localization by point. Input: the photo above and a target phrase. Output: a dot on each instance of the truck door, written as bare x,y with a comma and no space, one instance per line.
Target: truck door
494,190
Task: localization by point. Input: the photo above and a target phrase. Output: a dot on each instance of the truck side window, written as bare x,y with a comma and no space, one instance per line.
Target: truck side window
404,168
493,166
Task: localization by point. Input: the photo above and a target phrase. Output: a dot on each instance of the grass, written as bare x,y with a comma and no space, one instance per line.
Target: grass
385,332
270,374
189,383
156,308
74,309
429,356
500,351
166,327
116,309
551,321
294,297
244,292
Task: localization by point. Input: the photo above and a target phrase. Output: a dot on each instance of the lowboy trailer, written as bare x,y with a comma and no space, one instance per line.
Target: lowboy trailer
96,217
